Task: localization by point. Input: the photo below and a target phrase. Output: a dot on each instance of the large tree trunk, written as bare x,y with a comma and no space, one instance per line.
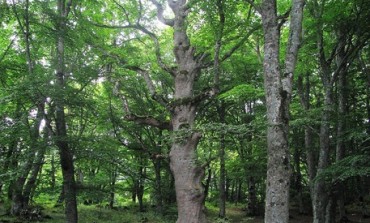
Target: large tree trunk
278,90
65,152
188,173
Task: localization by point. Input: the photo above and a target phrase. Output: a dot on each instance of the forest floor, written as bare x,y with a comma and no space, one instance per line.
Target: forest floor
97,214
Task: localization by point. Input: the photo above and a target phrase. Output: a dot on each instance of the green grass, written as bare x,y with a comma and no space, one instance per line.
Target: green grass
130,214
91,214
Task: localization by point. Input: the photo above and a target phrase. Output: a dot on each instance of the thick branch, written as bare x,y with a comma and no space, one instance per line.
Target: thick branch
149,84
295,31
283,18
148,120
169,22
207,93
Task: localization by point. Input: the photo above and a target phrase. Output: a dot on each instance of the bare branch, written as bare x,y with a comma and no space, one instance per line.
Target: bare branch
169,22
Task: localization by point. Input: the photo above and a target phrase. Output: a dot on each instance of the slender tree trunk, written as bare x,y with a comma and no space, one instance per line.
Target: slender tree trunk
19,198
31,181
252,209
21,190
112,188
134,191
298,177
320,193
208,184
158,184
222,198
342,113
278,90
61,140
140,185
52,172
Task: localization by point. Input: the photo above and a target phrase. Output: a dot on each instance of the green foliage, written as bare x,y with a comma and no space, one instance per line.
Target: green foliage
243,91
349,167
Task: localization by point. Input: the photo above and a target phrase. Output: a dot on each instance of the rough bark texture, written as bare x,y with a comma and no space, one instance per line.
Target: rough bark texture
188,173
65,152
278,92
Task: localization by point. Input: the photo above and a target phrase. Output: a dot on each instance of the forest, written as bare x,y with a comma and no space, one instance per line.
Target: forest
185,111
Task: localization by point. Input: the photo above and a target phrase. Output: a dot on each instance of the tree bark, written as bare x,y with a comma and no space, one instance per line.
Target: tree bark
252,209
188,173
342,113
278,88
222,185
320,193
158,184
61,140
113,179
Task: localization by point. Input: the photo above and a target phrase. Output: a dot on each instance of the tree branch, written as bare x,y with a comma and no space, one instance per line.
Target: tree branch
150,34
218,44
124,11
169,22
294,42
67,8
149,84
7,50
283,18
240,43
254,5
148,120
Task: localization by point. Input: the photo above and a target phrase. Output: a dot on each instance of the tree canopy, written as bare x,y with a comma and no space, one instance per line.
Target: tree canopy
183,106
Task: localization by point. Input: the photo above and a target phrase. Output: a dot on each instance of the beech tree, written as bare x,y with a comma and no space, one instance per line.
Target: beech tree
278,89
141,111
